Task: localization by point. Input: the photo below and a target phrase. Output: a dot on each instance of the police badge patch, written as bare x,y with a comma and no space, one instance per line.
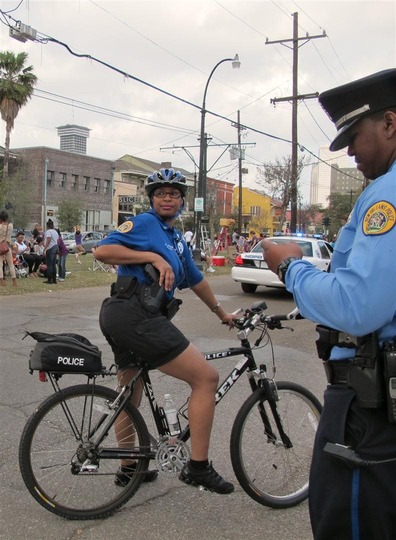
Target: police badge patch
125,227
380,218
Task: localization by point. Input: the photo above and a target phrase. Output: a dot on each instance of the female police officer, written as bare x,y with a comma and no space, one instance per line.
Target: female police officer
355,497
133,326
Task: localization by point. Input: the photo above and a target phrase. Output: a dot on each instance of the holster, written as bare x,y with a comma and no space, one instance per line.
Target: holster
366,373
329,338
172,308
151,296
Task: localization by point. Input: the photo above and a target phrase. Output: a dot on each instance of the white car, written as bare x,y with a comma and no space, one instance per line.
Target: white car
250,269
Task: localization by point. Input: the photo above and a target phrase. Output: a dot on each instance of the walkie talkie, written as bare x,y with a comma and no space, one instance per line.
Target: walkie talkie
389,351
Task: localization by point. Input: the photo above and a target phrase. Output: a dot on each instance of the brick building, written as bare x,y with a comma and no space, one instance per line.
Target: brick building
52,175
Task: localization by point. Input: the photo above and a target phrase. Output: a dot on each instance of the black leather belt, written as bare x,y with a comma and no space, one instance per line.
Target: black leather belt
337,370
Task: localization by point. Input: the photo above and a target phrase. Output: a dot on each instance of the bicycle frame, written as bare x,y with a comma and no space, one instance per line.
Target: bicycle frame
247,363
257,379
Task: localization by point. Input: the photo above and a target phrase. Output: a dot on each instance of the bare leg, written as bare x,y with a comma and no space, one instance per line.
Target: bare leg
124,432
191,367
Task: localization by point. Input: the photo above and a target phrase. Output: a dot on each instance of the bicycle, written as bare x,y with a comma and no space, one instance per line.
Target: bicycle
69,453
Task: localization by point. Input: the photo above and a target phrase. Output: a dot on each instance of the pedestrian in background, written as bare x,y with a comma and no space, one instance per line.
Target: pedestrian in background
50,252
188,236
5,235
79,247
355,306
62,255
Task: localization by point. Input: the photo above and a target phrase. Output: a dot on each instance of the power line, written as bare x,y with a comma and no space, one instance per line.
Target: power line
42,38
72,102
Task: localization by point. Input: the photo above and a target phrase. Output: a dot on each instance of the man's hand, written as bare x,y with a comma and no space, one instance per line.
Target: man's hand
276,253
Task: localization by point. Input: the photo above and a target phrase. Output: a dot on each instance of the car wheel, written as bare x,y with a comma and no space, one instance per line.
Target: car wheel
248,287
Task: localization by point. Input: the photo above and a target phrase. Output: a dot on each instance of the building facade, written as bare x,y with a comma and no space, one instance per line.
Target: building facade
347,181
258,212
53,175
321,174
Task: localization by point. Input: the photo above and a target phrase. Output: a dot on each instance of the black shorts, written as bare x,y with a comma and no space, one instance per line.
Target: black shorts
134,334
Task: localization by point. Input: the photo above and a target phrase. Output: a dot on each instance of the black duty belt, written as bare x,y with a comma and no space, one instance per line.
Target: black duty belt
151,296
125,287
337,370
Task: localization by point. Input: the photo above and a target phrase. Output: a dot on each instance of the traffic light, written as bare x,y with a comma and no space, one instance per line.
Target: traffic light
326,221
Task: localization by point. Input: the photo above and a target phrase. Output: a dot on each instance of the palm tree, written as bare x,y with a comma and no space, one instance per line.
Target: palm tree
16,88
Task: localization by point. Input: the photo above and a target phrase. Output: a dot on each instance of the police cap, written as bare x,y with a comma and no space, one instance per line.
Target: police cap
347,104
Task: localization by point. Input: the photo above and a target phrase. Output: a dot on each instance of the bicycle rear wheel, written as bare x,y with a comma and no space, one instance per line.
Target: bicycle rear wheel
269,472
58,464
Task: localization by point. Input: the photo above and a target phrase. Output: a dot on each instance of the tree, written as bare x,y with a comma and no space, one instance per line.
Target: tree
307,214
340,206
15,198
69,214
16,88
276,179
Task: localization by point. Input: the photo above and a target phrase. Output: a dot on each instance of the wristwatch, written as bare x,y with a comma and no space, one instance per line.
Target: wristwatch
283,266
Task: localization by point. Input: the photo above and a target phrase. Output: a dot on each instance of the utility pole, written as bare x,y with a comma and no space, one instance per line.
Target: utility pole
294,99
240,169
239,174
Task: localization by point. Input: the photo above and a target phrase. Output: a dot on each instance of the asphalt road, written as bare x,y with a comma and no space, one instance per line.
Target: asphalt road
165,509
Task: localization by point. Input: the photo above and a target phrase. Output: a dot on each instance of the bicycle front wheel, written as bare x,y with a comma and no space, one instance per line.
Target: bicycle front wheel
272,473
59,463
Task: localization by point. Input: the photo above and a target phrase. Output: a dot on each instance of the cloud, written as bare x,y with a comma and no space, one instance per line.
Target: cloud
174,45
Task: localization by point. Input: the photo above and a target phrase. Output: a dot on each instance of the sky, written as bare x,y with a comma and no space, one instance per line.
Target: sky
173,46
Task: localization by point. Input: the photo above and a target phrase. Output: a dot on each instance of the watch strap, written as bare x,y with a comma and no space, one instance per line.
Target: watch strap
283,266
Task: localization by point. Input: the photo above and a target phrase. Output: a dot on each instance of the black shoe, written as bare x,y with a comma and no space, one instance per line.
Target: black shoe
207,478
49,282
125,473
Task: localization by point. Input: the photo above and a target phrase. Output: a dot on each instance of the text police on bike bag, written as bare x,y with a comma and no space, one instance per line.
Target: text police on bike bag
65,353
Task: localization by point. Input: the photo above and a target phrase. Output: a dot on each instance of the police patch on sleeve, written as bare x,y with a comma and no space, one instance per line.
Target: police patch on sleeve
125,227
380,218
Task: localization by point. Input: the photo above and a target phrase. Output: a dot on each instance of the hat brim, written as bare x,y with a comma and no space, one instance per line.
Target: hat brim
342,138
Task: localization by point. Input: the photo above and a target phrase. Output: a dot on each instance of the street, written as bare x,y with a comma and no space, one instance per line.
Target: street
165,509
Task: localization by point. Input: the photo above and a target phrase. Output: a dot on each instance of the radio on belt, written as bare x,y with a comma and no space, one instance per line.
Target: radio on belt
389,350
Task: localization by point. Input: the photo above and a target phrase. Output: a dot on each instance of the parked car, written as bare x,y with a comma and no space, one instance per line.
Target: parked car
250,269
89,240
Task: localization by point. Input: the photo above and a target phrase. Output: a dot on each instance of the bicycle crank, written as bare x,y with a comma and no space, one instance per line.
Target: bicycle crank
171,456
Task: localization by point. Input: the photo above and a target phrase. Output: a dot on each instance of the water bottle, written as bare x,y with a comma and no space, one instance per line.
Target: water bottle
171,415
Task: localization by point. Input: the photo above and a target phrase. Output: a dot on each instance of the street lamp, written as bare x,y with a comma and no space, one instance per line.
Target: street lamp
203,156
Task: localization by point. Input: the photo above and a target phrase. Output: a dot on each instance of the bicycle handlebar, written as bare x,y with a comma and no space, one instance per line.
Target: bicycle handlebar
254,317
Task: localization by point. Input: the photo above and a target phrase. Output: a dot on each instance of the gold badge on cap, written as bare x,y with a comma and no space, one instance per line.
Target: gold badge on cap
125,227
380,218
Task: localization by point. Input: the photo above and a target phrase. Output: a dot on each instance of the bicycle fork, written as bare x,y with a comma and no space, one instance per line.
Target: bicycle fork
271,394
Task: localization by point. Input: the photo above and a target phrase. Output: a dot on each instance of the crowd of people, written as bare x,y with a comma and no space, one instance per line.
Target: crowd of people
43,254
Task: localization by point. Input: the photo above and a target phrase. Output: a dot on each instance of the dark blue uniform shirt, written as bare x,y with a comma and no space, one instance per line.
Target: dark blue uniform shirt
147,232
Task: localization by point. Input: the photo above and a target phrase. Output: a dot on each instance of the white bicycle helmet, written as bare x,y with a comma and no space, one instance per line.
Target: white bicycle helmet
166,177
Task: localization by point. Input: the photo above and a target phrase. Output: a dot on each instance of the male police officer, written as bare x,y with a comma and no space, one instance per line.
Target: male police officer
353,474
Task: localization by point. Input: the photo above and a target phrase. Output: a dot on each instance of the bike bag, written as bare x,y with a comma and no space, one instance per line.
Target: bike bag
65,353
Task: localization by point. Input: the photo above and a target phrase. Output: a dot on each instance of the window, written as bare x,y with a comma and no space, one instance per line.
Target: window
106,186
62,179
96,185
255,210
50,178
324,251
74,184
85,183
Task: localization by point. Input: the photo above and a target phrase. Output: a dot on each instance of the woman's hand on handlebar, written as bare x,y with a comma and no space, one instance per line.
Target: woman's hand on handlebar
229,318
